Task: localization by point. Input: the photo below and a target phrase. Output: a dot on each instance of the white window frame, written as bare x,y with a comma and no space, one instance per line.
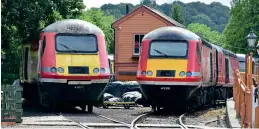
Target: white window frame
140,43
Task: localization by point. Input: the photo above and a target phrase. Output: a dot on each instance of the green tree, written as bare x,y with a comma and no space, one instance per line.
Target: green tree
150,3
214,15
177,13
22,21
206,32
97,17
244,16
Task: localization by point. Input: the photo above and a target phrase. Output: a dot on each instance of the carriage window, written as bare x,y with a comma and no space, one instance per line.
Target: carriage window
168,49
76,43
137,43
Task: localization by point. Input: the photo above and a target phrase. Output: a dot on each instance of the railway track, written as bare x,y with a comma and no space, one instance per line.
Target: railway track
138,119
112,123
107,122
180,123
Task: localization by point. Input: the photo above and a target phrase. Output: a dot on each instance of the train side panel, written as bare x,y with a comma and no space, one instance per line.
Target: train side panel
205,65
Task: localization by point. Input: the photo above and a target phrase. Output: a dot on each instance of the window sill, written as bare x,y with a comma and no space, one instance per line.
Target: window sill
135,56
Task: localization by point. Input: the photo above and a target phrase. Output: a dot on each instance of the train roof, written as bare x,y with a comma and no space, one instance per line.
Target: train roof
229,53
178,33
241,57
73,26
171,33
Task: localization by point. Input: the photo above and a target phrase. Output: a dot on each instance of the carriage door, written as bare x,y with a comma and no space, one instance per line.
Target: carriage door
216,67
227,70
211,67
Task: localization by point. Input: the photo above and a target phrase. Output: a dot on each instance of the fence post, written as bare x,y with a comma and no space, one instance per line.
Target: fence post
237,101
254,106
248,107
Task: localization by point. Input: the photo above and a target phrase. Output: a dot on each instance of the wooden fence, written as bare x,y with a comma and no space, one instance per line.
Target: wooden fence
11,104
245,95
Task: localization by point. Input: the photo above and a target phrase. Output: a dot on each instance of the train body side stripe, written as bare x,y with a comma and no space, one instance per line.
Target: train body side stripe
196,74
169,83
76,82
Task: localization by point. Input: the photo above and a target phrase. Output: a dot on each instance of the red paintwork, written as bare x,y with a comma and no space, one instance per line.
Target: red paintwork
205,64
49,57
46,75
143,58
193,62
193,79
102,53
220,67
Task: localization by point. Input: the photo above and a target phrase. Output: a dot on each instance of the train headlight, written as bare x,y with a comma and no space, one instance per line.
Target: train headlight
53,70
102,70
189,74
149,73
182,73
96,70
143,73
61,70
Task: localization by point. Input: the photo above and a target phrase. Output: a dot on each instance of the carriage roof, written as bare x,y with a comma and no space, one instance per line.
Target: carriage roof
73,26
171,33
241,57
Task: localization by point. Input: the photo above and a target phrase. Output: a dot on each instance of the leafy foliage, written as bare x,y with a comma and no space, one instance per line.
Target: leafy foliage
97,17
150,3
177,13
244,16
206,32
214,15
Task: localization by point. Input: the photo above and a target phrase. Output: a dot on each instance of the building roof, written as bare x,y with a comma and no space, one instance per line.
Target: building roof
149,9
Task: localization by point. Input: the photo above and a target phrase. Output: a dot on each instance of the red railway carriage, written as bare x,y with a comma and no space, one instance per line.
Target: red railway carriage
177,68
72,63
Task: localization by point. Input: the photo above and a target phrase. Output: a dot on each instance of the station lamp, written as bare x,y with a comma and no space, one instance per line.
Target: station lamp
251,39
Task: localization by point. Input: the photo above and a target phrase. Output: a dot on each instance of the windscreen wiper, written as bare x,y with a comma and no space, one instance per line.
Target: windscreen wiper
160,52
69,48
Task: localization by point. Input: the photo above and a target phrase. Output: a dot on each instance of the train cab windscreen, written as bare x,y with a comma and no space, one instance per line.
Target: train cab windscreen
76,43
172,49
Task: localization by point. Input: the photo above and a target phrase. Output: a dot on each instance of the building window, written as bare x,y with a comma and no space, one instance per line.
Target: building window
137,43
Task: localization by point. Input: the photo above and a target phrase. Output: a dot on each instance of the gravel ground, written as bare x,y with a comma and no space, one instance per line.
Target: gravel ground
205,118
160,118
121,114
33,115
40,127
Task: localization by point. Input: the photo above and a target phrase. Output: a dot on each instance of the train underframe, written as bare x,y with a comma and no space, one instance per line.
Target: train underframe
181,98
61,95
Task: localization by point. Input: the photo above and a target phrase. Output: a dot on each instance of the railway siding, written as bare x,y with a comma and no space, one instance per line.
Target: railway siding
34,118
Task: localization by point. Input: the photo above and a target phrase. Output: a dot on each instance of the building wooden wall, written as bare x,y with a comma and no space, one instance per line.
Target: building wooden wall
141,23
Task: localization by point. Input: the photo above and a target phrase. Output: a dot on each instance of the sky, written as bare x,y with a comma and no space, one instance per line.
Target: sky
99,3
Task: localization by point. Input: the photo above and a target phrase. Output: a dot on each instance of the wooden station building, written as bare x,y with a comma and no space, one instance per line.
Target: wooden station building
128,33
